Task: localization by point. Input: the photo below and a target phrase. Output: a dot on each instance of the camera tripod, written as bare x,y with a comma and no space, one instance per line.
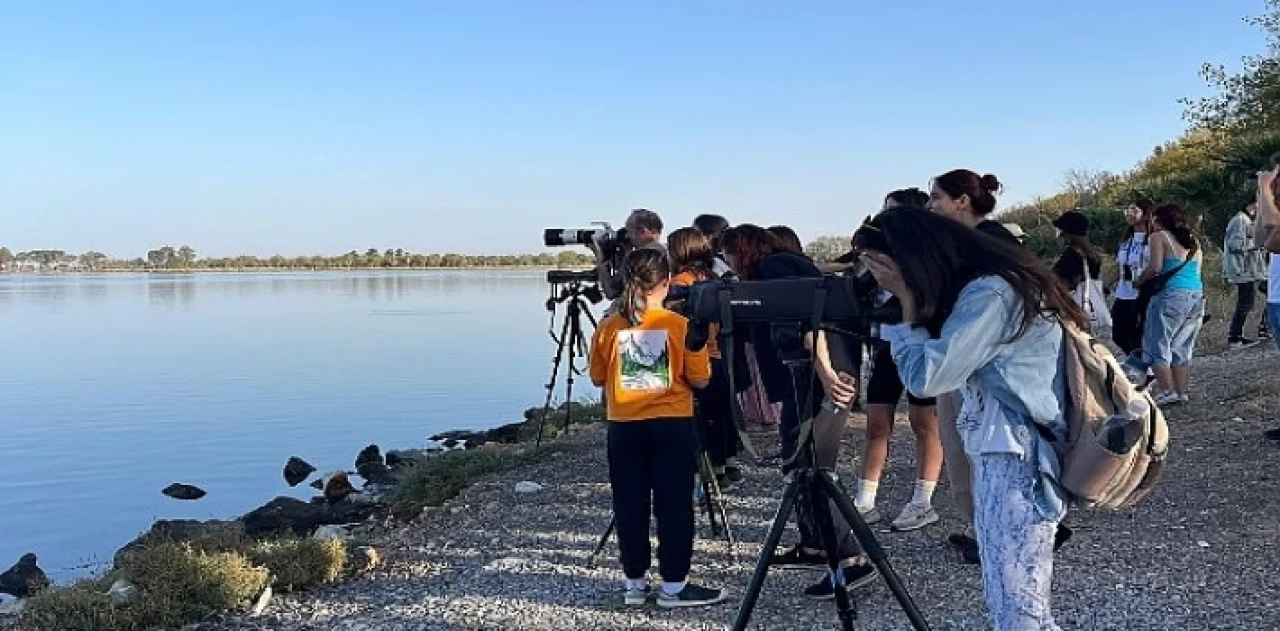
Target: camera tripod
809,482
819,487
575,295
712,503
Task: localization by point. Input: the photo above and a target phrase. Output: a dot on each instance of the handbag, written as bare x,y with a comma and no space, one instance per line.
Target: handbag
1088,294
1157,283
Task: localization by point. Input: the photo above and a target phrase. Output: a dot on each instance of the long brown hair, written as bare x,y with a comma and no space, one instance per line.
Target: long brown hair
788,240
938,257
642,271
748,244
1173,219
690,251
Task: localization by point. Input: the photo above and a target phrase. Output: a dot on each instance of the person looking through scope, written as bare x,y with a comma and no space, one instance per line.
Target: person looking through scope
755,254
966,198
884,390
692,261
643,229
712,226
985,318
638,356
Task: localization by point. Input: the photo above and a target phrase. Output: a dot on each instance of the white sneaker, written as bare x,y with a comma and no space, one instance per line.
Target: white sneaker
914,516
869,514
636,596
1168,397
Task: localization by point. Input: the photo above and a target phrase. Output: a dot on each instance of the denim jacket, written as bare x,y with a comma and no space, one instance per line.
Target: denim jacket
1241,262
1024,378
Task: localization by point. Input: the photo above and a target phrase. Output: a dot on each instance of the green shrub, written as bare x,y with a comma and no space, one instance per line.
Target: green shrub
192,582
433,481
301,563
76,608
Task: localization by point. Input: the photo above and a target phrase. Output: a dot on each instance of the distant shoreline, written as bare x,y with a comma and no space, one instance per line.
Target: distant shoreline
335,270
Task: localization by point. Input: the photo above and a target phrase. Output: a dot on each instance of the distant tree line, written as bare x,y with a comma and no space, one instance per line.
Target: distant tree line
185,258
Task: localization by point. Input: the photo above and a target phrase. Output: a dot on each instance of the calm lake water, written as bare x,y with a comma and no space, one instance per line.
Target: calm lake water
116,385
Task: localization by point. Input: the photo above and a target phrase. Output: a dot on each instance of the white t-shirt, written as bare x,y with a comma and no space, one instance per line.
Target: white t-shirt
1136,254
1273,281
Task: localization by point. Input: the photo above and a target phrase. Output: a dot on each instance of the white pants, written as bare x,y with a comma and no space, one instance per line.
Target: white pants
1014,542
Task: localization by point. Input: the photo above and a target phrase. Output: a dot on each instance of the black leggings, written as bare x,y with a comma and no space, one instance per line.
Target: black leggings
1126,325
715,416
651,469
828,428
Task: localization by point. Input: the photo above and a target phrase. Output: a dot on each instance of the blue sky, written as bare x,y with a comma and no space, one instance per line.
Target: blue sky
307,127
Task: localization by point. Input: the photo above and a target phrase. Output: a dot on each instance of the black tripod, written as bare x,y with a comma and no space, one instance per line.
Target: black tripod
818,486
712,503
575,293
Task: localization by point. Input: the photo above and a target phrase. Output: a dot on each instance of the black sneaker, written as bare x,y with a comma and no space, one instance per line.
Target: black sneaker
1061,537
1264,335
799,558
1241,343
855,577
968,547
1272,434
691,596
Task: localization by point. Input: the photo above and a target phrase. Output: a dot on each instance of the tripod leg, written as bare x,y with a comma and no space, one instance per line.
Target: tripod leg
710,491
771,540
551,383
872,547
820,509
594,559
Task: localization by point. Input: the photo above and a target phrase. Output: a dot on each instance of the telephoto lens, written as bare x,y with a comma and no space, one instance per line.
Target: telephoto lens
561,237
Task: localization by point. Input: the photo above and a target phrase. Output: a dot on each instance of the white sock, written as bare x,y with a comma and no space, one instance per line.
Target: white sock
671,589
866,497
636,583
924,492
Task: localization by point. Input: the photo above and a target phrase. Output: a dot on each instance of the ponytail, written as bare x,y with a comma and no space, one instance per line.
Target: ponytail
643,271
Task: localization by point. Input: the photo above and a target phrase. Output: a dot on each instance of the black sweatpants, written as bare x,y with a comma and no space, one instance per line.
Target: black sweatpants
1246,298
828,429
715,416
651,468
1126,325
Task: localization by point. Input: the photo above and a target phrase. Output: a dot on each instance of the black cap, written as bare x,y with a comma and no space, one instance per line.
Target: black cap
1073,223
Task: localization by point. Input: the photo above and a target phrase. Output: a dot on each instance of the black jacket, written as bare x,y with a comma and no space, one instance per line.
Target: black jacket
773,373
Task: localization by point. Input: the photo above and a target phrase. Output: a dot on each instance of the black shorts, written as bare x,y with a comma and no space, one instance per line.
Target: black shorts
884,387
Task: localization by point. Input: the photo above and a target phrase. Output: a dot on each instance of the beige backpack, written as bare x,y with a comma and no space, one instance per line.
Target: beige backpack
1117,439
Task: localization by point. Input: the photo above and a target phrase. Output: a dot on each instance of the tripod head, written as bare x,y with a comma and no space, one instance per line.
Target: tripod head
570,286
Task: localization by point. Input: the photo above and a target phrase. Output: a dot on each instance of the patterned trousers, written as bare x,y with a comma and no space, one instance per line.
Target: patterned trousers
1015,544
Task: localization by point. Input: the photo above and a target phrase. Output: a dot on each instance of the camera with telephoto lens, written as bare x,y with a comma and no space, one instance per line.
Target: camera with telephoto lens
613,243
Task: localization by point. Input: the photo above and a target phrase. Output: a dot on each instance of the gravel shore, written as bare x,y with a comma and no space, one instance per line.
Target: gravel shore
1199,553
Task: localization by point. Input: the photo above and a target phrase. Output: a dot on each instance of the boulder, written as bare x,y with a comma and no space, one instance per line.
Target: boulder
405,458
362,559
332,532
356,508
371,466
183,492
297,470
24,579
182,530
336,486
286,514
508,434
121,592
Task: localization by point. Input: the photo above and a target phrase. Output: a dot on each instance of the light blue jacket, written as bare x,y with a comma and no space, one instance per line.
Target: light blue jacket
1024,377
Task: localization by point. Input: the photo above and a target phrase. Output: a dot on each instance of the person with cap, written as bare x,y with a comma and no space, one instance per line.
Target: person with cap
1073,230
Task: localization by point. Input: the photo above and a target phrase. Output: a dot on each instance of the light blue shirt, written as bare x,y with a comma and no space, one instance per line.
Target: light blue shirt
1010,387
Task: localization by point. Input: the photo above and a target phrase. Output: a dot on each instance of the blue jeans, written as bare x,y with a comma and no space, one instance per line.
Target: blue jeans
1174,319
1273,315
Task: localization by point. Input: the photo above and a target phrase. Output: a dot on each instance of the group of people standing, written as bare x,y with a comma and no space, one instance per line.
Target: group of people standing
977,354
